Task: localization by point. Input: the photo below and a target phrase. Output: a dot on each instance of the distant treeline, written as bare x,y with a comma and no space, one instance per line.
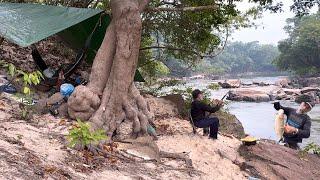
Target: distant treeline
236,58
300,52
240,57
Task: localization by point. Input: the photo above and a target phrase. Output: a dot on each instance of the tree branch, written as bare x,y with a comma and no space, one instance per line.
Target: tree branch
184,50
224,45
171,48
182,9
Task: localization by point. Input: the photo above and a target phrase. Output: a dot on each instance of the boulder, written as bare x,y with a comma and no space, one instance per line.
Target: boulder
309,89
215,77
229,124
232,83
260,83
281,96
43,105
308,82
268,160
197,77
162,108
307,97
178,101
284,83
292,91
55,98
165,110
246,84
248,95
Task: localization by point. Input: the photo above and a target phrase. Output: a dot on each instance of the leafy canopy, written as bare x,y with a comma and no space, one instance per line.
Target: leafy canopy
172,32
300,52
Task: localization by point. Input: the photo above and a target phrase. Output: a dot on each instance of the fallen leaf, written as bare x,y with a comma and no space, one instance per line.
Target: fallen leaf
50,169
62,122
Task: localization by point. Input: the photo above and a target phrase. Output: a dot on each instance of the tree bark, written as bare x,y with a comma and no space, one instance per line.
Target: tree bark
111,96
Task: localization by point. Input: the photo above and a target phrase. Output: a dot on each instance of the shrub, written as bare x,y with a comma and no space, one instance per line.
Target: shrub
310,147
81,135
213,86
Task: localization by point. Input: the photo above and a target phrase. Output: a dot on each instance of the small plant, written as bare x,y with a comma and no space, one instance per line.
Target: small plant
313,147
213,86
81,135
28,79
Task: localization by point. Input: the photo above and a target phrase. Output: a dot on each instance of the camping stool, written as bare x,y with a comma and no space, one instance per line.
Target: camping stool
194,128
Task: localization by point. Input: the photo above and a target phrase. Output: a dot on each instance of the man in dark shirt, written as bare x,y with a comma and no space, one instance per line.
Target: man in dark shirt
298,123
198,110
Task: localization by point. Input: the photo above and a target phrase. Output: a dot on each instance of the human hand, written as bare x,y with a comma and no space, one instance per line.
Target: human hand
289,129
217,102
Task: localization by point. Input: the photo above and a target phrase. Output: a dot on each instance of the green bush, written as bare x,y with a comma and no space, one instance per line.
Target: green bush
313,147
213,86
81,135
156,89
187,95
28,80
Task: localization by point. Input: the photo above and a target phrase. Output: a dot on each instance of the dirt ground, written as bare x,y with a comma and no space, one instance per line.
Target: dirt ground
37,149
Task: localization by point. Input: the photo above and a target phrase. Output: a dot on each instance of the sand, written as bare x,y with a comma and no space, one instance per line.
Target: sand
37,149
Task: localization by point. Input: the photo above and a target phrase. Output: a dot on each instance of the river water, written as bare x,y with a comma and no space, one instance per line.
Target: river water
258,118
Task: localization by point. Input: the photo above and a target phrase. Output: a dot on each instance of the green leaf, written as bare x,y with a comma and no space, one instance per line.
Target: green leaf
81,134
24,113
26,90
40,74
11,69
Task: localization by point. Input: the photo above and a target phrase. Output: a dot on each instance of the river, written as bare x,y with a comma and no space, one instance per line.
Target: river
258,118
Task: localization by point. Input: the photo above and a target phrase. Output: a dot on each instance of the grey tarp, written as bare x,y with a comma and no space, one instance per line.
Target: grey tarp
25,24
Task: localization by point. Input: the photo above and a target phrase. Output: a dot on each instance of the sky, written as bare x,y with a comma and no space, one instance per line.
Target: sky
270,26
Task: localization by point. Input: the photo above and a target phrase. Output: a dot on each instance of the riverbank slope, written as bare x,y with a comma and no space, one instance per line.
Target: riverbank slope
38,149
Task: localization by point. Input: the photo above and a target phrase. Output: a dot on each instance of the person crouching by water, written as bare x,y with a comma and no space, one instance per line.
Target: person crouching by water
298,124
198,110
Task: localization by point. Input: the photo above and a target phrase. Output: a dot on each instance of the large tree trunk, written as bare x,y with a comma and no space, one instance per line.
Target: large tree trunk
111,97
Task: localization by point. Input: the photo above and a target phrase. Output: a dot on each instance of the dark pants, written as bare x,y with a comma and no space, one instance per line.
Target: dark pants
292,145
212,123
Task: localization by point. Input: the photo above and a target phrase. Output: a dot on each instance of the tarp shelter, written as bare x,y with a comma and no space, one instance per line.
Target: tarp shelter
26,24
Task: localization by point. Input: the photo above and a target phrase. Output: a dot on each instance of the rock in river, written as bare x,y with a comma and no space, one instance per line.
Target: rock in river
307,97
285,82
309,89
232,83
248,95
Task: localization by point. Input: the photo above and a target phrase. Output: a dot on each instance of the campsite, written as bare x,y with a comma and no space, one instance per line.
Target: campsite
159,89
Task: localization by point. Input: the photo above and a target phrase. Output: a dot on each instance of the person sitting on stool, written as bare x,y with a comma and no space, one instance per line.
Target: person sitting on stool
198,110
